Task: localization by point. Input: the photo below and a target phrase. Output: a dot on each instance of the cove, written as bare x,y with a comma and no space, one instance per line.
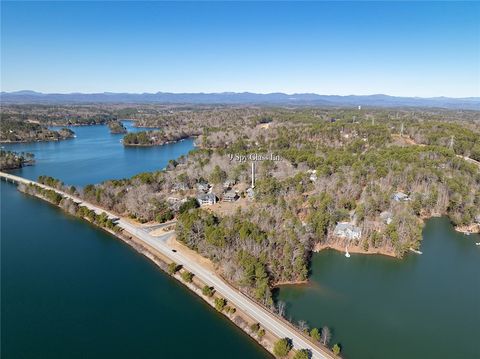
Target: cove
422,306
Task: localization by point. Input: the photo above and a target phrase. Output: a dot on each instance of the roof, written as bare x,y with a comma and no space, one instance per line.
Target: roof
346,229
206,197
230,194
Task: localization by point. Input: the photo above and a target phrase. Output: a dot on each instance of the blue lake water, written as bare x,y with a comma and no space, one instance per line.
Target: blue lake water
96,155
71,290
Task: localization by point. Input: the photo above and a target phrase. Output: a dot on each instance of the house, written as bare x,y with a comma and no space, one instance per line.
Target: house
347,230
250,193
386,217
229,196
203,187
206,199
228,184
400,197
477,218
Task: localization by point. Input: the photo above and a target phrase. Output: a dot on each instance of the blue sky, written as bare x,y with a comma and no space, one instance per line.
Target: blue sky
397,48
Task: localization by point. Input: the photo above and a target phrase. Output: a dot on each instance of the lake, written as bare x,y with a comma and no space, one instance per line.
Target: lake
423,306
71,290
96,155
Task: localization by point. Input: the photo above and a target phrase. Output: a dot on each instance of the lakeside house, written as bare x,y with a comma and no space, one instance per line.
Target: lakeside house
400,197
229,196
386,217
347,230
206,199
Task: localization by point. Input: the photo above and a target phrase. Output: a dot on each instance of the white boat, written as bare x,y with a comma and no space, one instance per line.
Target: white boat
346,252
477,244
415,251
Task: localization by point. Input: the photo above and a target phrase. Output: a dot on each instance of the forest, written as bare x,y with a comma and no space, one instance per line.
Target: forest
337,166
10,160
21,131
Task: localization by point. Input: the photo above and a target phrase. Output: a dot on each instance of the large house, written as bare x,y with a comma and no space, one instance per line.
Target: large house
229,196
206,199
347,230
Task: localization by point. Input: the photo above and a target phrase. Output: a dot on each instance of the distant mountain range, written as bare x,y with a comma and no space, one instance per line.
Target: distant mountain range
243,98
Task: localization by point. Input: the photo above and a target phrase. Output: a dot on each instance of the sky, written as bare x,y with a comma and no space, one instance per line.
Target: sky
333,48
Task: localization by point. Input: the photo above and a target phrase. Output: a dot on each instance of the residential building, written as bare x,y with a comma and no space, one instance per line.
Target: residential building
347,230
229,196
206,199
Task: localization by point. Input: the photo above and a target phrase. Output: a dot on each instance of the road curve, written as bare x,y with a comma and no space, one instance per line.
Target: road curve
266,319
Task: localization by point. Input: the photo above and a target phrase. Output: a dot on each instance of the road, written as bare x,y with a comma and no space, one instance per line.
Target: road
267,320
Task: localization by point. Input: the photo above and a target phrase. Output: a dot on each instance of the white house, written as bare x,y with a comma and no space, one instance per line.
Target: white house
347,230
206,199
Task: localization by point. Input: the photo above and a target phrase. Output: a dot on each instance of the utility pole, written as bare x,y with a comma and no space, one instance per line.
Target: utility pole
401,130
253,174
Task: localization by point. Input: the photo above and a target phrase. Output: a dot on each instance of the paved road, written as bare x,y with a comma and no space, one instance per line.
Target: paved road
266,319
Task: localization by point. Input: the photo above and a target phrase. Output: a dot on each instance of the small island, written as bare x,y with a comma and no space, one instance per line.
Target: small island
116,127
10,160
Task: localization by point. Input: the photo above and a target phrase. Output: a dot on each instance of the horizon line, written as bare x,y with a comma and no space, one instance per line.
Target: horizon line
19,92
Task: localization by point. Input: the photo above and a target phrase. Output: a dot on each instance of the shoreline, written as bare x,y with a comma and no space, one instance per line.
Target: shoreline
240,319
468,229
155,144
352,249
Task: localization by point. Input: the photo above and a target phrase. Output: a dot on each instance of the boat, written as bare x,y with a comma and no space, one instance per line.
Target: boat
346,252
415,251
477,244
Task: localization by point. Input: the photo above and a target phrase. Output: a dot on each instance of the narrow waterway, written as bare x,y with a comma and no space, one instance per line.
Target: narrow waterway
423,306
